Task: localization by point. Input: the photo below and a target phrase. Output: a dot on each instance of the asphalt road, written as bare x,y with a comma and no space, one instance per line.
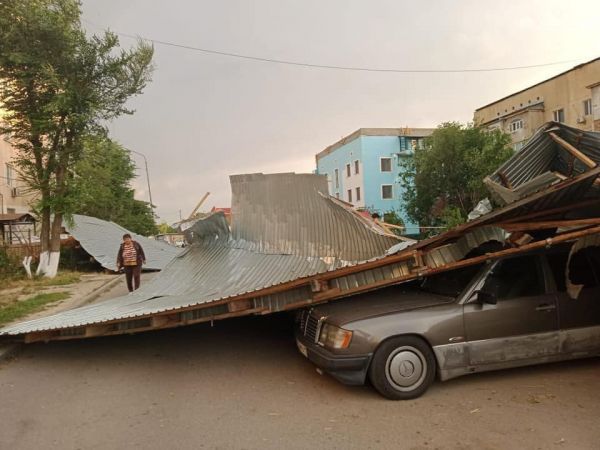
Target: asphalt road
242,384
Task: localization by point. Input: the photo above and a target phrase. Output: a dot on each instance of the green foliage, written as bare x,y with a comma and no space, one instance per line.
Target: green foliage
102,186
10,265
444,180
22,308
59,86
393,217
165,228
139,218
451,216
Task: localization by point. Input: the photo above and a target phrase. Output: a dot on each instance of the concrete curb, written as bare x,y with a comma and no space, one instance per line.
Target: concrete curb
99,291
7,351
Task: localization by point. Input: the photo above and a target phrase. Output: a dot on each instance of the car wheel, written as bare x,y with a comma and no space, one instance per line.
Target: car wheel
402,368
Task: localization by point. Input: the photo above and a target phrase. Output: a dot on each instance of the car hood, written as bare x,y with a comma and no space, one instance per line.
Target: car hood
377,303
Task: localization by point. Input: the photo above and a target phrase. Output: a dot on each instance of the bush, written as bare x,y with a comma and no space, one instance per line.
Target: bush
10,265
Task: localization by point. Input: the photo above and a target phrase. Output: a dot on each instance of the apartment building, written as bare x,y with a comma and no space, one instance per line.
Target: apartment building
13,195
571,97
364,168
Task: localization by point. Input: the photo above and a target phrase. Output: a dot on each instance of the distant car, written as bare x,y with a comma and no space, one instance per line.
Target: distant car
508,313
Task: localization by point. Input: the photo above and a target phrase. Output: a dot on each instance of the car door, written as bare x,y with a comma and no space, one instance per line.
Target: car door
522,325
579,318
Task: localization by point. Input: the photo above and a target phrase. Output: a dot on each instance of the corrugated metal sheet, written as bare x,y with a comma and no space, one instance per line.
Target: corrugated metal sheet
202,274
456,251
287,213
301,236
284,229
101,239
542,154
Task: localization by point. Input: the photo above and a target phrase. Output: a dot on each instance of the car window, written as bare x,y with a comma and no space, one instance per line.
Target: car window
515,277
584,267
450,283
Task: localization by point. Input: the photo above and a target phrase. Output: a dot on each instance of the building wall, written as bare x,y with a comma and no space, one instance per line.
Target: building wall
596,106
338,159
10,180
369,150
536,105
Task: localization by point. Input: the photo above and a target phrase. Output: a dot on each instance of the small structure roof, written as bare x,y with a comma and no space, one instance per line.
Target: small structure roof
16,217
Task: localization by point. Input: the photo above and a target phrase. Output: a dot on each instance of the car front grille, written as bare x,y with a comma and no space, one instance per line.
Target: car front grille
310,326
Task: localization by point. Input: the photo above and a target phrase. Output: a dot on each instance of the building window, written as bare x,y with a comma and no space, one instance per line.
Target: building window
516,125
559,115
386,164
386,191
9,174
356,167
347,170
349,195
11,210
587,107
358,194
337,179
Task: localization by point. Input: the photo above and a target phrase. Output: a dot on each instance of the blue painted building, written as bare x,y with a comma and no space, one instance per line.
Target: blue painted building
363,168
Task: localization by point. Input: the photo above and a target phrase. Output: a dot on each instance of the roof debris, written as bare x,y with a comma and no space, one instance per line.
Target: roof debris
291,245
101,239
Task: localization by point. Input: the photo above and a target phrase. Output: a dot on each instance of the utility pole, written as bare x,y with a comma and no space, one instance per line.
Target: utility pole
147,176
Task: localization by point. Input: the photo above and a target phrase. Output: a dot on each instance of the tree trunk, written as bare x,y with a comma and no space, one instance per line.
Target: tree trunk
27,265
54,254
50,260
44,241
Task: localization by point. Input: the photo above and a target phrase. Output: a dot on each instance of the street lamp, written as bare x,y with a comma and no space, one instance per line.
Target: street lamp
147,175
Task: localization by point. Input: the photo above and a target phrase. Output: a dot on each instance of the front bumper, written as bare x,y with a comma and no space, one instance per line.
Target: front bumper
351,369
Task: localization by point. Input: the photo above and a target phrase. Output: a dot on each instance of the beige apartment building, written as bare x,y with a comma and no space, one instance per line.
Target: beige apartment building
13,195
571,97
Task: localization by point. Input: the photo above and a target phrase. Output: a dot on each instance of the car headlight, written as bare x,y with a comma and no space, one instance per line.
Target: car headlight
334,337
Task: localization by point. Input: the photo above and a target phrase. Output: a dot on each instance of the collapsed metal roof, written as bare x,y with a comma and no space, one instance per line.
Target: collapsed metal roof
554,153
284,227
291,245
101,239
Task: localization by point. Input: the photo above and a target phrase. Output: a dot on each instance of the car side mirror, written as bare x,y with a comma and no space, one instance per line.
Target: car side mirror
485,297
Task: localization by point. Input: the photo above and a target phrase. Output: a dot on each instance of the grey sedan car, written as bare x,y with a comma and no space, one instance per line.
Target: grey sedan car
508,313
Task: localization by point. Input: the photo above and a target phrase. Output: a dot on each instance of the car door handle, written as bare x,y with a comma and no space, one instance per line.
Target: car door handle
545,307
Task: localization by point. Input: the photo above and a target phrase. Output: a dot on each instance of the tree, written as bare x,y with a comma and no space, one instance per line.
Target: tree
165,228
58,86
443,182
102,186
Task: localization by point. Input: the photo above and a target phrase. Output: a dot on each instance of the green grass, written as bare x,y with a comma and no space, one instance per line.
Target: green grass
62,278
22,308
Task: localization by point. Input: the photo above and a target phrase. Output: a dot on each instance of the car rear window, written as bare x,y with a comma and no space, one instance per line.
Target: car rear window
584,267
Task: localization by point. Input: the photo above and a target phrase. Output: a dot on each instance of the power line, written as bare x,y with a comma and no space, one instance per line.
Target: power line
327,66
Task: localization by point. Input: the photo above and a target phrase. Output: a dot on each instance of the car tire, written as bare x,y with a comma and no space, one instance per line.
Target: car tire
402,368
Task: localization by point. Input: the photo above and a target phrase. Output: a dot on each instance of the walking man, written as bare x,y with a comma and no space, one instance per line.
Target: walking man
131,257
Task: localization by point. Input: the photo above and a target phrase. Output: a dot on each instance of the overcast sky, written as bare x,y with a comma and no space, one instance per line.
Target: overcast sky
205,117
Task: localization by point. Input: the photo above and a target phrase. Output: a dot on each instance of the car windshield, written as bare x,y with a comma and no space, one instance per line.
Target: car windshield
451,283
